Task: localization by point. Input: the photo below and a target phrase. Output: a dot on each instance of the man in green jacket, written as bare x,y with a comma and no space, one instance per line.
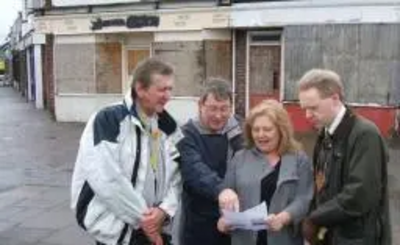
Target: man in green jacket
350,205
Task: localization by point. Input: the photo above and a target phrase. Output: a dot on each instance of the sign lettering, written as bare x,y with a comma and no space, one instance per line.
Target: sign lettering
131,22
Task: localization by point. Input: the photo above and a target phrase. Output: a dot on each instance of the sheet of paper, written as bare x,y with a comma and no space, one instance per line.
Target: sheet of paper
250,219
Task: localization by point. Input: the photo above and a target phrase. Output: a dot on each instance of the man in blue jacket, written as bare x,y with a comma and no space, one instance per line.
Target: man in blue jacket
209,143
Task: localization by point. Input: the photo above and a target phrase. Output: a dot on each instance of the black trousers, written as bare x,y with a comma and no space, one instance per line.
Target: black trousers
139,238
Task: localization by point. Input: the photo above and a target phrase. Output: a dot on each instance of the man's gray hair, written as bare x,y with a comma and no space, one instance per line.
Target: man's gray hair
219,88
146,69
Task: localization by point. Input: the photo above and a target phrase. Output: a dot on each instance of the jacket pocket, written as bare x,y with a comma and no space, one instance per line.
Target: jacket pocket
283,196
101,223
287,190
349,241
352,230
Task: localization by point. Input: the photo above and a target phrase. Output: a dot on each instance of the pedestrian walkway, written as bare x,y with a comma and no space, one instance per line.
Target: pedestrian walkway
36,161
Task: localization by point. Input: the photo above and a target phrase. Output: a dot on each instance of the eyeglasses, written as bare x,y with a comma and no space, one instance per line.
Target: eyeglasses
216,109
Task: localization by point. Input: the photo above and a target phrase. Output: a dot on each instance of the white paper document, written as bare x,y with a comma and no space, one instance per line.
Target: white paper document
250,219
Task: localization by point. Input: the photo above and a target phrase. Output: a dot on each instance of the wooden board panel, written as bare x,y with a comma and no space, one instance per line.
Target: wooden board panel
108,68
265,66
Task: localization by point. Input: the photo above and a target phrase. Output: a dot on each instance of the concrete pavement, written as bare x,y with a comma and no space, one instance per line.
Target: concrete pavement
36,162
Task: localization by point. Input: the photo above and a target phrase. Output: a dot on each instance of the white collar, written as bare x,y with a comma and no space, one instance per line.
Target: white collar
337,120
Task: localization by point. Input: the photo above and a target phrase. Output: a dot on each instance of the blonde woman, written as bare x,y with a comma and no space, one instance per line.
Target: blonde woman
273,169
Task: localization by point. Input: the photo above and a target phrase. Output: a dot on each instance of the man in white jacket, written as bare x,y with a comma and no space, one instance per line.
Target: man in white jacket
126,184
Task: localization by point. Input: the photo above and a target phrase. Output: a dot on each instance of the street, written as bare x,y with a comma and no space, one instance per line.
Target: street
36,163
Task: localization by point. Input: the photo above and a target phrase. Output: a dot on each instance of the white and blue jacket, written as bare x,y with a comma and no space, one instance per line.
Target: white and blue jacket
110,171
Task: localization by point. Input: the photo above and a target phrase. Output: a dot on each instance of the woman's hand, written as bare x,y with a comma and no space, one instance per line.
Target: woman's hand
229,200
276,222
222,226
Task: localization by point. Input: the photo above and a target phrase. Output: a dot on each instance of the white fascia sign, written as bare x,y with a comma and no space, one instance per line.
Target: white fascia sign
64,3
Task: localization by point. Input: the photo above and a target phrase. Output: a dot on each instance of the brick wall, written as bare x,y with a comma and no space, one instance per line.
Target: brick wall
240,72
48,74
23,74
15,70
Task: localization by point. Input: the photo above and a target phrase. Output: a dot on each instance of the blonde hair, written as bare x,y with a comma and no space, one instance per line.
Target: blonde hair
327,82
280,118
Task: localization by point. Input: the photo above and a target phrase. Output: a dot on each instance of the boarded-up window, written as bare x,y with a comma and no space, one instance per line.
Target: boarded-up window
218,59
188,60
74,68
134,57
265,71
264,65
366,56
108,68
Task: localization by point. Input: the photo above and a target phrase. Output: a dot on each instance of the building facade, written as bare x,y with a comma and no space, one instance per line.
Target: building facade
95,49
26,63
263,47
276,42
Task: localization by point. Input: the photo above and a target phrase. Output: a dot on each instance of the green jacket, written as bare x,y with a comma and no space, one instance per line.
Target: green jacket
353,203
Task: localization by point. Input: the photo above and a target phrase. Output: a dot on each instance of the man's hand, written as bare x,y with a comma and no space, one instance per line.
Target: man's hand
278,221
151,224
229,200
153,219
155,238
309,231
